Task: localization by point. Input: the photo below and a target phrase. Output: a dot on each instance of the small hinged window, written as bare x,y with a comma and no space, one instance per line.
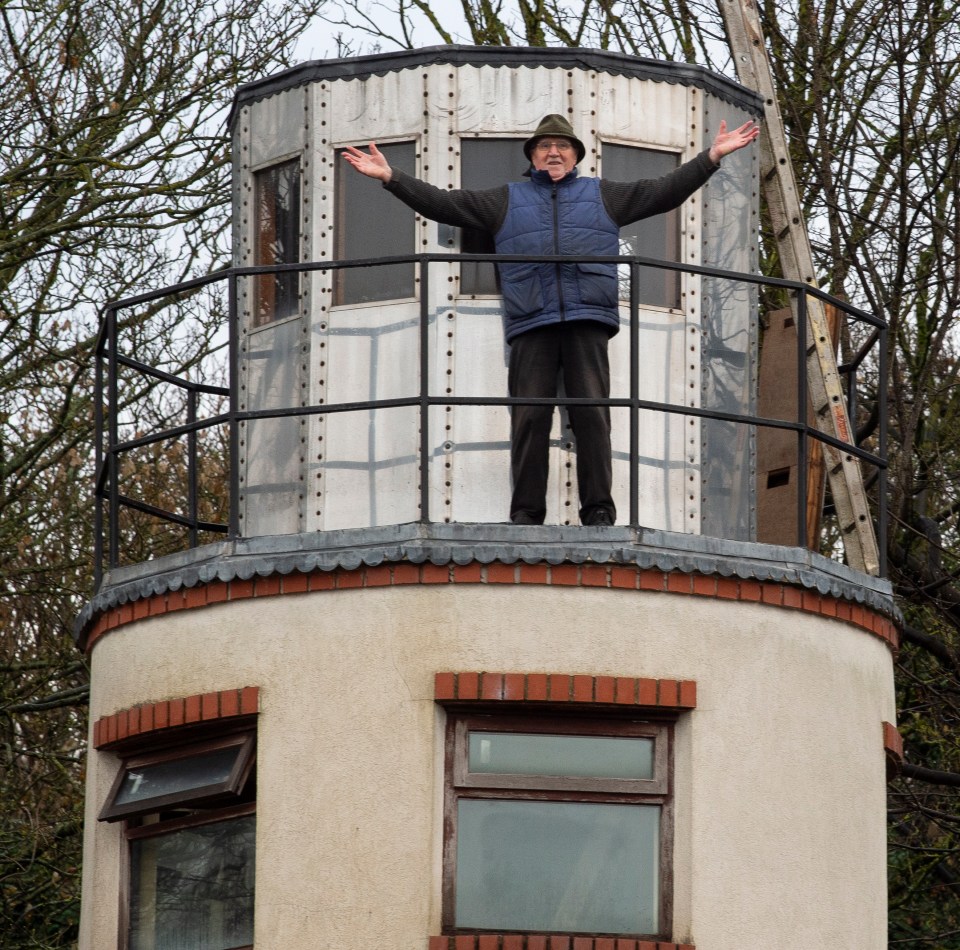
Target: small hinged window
621,757
205,773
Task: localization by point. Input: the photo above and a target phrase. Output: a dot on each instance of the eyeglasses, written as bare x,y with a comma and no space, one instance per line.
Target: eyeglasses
559,146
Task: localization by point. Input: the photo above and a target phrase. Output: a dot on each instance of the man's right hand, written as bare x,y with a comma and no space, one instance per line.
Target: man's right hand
371,164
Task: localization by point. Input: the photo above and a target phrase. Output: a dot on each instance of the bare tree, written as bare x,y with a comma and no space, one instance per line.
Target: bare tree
114,177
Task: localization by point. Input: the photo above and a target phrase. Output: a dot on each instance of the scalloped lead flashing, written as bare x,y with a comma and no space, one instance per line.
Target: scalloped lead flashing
462,544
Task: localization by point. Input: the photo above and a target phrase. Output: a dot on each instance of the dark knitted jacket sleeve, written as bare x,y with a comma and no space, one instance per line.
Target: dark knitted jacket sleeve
483,210
628,201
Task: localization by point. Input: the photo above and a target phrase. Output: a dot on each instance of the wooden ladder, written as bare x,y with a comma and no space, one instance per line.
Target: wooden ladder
744,34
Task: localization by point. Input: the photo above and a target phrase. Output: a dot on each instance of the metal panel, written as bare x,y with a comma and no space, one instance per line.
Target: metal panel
370,456
661,435
494,101
479,456
379,108
271,456
642,113
277,127
273,364
730,338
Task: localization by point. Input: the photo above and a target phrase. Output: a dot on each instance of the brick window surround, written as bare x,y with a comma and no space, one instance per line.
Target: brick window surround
623,691
504,691
549,942
150,720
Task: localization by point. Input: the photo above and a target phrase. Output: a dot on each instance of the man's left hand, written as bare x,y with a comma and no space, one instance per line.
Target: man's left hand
729,141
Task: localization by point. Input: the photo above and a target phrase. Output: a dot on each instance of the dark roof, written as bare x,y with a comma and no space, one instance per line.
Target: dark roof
620,64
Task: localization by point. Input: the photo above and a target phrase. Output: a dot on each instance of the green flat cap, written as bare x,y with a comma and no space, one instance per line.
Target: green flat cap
551,125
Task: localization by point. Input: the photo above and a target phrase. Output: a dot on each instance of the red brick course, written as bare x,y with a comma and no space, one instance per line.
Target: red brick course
601,576
892,745
470,686
150,718
551,942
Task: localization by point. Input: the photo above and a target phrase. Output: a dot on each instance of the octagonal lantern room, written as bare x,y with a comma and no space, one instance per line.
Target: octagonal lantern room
392,354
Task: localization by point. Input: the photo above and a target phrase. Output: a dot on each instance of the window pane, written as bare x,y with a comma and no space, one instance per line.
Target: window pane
177,775
486,163
370,222
533,754
193,889
557,866
277,241
657,237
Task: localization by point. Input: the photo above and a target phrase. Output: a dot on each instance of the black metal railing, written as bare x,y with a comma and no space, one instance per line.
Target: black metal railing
111,450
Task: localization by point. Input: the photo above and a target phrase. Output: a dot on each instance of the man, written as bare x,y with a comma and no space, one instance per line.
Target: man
559,317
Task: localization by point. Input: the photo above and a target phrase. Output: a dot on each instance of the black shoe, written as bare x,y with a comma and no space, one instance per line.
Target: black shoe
521,517
601,518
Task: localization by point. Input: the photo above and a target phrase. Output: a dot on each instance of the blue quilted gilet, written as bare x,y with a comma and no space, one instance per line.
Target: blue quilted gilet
564,217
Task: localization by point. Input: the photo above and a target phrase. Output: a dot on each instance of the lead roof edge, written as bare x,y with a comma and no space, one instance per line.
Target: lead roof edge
460,544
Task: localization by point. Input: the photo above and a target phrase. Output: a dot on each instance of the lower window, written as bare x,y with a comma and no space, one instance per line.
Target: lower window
557,825
192,889
190,822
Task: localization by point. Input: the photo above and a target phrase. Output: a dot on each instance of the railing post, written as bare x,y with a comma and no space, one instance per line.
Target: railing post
192,503
98,460
634,394
424,390
882,453
803,399
113,437
233,319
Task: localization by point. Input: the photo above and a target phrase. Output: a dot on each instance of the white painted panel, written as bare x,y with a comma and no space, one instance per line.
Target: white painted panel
277,127
377,108
271,451
661,475
479,461
507,101
642,113
369,457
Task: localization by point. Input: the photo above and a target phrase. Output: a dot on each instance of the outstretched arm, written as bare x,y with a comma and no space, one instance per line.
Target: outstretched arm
727,142
483,210
371,164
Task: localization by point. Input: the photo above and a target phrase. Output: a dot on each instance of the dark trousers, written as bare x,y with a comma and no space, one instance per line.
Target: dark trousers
578,350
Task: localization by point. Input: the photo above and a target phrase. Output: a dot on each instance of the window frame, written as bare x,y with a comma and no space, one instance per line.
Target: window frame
459,785
203,795
344,179
160,829
672,251
205,805
263,311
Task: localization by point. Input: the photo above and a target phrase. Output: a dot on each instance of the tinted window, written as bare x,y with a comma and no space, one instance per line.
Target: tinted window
486,163
277,240
556,825
657,237
369,223
193,889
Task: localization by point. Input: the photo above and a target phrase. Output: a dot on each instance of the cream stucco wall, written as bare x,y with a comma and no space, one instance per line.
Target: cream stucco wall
779,772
